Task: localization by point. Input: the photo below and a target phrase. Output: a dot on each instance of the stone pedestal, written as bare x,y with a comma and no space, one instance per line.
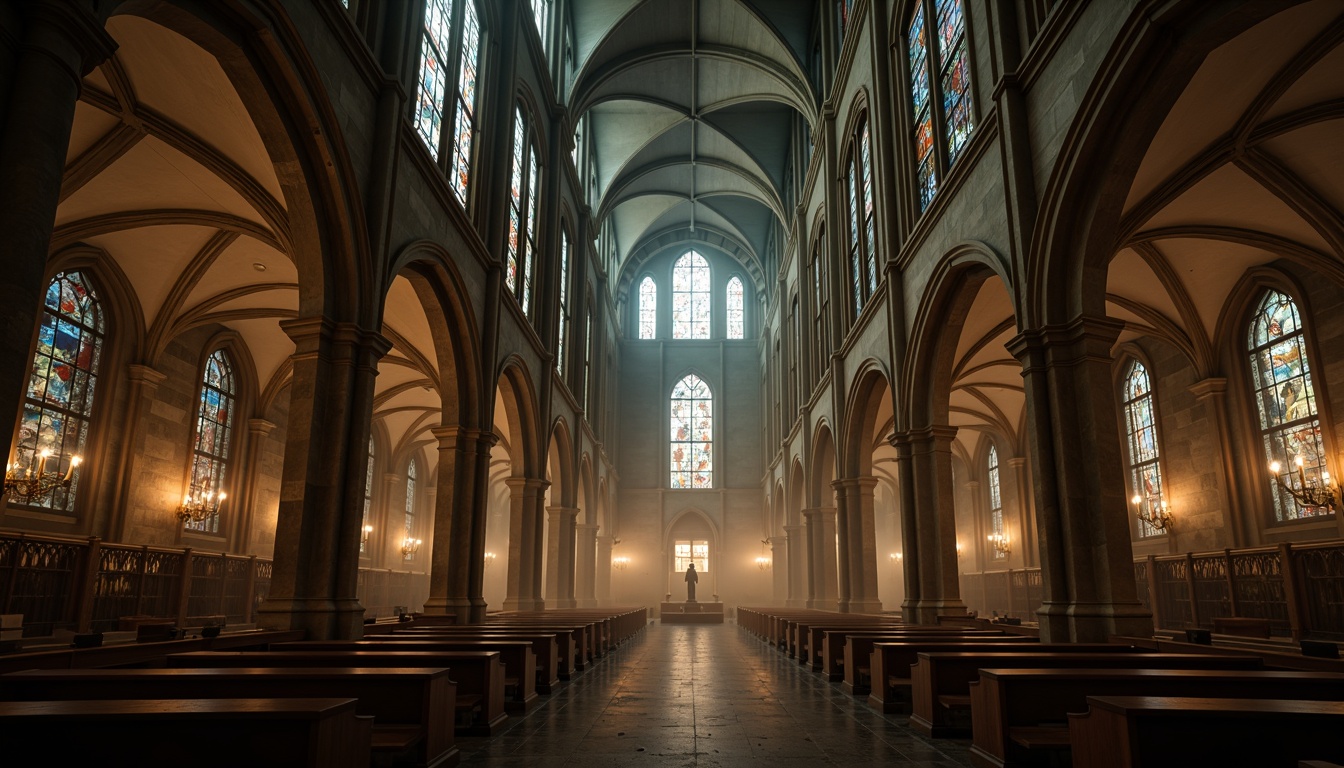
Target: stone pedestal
691,612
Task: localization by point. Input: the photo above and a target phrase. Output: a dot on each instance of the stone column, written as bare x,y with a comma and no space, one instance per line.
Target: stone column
935,522
538,540
144,382
842,554
61,43
857,493
910,553
451,560
602,570
585,563
394,515
560,557
257,430
779,564
524,582
314,578
797,566
1082,518
475,524
1023,540
822,587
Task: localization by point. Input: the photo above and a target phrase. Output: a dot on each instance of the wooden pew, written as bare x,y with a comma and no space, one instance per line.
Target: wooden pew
520,663
807,634
142,654
820,654
891,662
218,733
1018,716
412,707
856,653
569,639
940,690
476,673
1122,731
544,648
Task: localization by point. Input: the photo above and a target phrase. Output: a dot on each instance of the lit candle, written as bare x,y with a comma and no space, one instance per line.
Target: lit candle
1274,467
1301,476
74,462
42,461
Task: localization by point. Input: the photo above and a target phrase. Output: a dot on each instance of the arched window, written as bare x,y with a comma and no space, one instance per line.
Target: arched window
435,42
648,308
58,401
692,434
939,63
821,301
523,195
464,128
368,501
995,500
1286,400
690,297
214,432
562,338
541,14
410,505
862,231
1145,472
737,325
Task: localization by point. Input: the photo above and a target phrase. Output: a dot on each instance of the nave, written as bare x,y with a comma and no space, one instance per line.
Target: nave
706,695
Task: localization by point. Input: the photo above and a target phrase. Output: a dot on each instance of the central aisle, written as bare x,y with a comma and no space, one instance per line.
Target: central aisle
706,695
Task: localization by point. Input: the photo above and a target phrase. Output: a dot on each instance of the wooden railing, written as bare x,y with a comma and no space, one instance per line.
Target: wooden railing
83,585
1297,588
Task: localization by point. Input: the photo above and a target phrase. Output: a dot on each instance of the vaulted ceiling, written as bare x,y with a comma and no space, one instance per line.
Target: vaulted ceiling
690,104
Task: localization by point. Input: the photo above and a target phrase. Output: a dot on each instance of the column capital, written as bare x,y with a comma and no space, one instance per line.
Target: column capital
860,483
792,529
939,436
558,513
146,377
458,437
50,24
1016,462
259,427
587,528
819,512
1211,387
527,484
1083,337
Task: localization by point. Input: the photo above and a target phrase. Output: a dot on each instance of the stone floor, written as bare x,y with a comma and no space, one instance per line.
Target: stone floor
706,695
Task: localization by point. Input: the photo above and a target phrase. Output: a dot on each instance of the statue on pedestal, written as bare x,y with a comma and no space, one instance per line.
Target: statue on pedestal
691,578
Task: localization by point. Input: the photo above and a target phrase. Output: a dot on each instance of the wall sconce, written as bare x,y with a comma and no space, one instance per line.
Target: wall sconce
896,557
763,562
364,538
958,549
489,558
194,509
620,563
409,546
1155,515
1000,543
1318,493
33,483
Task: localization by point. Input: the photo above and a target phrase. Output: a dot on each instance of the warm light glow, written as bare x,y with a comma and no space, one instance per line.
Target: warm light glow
1274,467
762,563
1298,461
620,563
1136,501
897,556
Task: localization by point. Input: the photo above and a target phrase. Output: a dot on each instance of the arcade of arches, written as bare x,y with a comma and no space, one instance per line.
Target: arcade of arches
867,302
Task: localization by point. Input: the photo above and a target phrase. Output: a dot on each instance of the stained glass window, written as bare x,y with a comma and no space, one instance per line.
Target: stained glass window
562,340
1286,400
648,308
843,9
368,501
821,308
954,76
523,203
691,551
588,353
926,169
995,500
214,428
855,255
691,297
541,10
59,398
1145,473
692,434
464,126
410,505
434,46
737,326
866,192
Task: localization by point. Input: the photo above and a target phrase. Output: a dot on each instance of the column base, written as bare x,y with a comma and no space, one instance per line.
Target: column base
1093,622
865,606
524,604
321,619
477,611
928,611
587,602
445,606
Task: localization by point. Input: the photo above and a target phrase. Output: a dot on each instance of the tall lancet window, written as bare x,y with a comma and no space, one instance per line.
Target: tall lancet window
648,308
1285,399
995,501
368,501
690,297
692,434
1145,471
523,197
737,325
940,90
58,400
562,337
925,163
410,506
435,43
464,127
214,428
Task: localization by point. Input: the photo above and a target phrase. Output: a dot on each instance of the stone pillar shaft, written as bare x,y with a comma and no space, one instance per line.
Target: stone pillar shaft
560,557
602,570
822,577
455,502
585,565
857,494
934,523
779,566
797,562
